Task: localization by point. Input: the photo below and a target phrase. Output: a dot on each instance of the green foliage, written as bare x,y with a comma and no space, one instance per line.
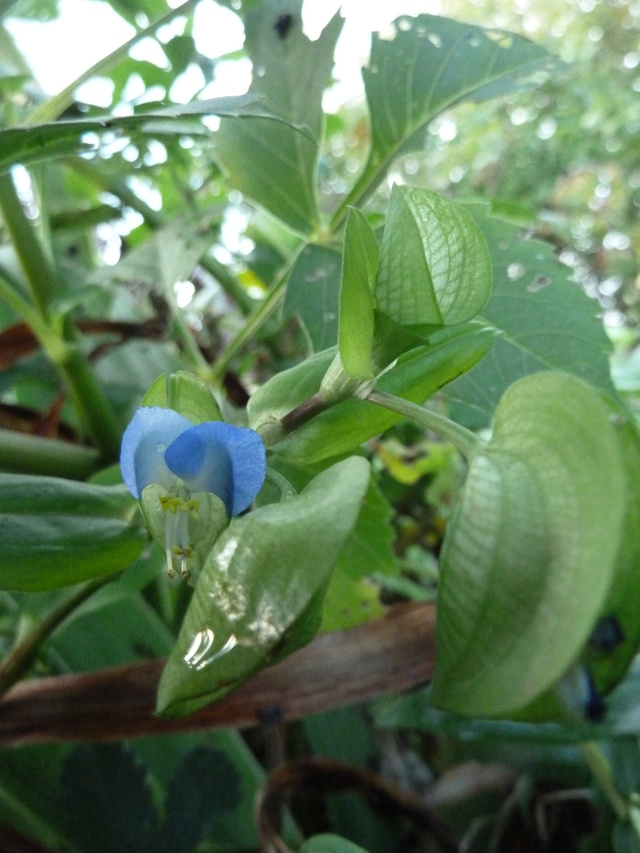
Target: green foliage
56,533
428,64
434,264
545,501
398,298
272,164
260,592
357,323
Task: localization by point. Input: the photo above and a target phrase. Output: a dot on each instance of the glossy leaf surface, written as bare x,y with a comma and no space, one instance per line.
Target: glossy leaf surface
530,552
263,577
57,532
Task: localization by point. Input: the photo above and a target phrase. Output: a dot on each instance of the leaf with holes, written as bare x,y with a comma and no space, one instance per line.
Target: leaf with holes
531,299
272,163
530,553
424,66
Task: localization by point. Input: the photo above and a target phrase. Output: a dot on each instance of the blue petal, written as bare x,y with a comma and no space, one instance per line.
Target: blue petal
144,443
226,460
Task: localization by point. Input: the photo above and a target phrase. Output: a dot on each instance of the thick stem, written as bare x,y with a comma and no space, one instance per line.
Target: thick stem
37,268
463,439
61,347
94,408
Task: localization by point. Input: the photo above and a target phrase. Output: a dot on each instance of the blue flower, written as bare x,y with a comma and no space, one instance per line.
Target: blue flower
160,446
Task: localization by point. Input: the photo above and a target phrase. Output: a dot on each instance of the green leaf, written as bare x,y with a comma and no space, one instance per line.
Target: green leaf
425,66
608,658
286,390
352,596
531,299
356,317
435,267
169,255
205,785
530,552
312,294
328,843
266,573
417,376
30,798
184,393
32,144
232,828
109,805
57,532
272,163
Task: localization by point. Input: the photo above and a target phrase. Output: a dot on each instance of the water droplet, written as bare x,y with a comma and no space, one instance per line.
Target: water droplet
200,655
435,39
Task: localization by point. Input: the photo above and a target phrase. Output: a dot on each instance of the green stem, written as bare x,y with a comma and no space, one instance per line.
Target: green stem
601,771
10,295
365,185
260,316
463,439
21,658
37,268
94,408
54,108
62,346
30,454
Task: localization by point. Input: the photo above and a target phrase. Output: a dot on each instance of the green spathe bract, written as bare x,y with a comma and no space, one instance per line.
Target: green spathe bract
261,589
530,552
435,267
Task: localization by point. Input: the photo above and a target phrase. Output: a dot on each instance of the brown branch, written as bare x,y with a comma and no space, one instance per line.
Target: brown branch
393,653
